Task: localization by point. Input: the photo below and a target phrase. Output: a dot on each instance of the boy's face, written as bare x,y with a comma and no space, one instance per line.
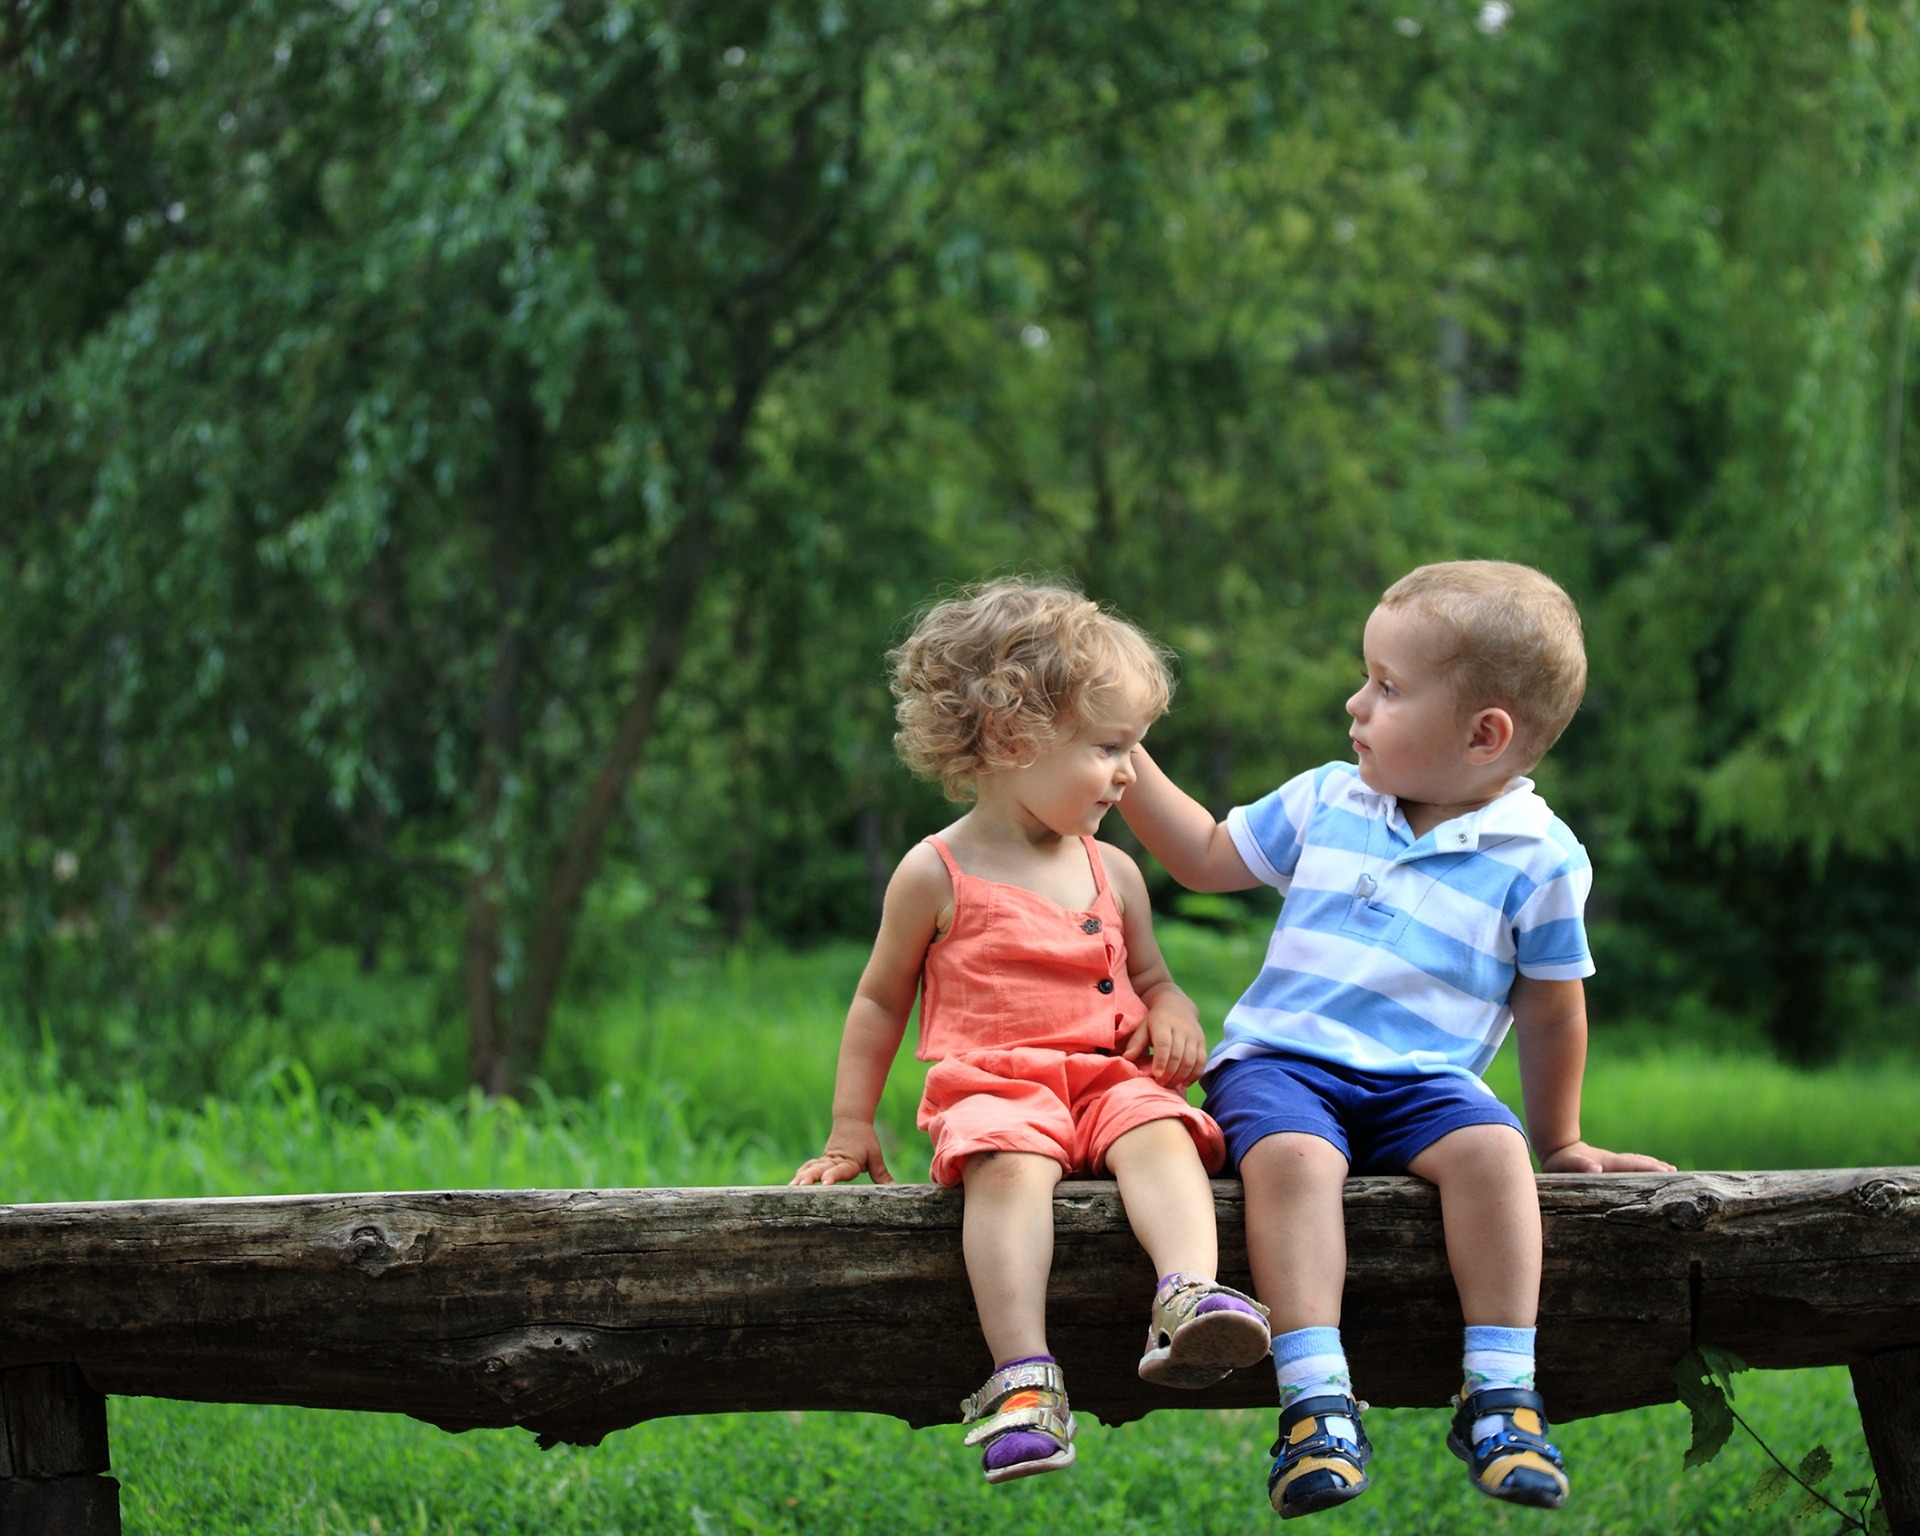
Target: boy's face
1409,731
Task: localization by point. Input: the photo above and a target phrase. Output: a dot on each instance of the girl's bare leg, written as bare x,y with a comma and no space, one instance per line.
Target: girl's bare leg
1168,1199
1007,1237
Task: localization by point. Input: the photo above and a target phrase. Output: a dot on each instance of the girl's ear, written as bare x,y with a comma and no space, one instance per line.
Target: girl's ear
1489,734
994,736
1006,745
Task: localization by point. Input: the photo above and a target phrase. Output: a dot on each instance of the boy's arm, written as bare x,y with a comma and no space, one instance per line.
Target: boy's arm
1170,1034
1550,1020
876,1020
1181,833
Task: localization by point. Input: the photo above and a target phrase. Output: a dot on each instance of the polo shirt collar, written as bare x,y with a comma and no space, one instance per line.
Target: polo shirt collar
1515,812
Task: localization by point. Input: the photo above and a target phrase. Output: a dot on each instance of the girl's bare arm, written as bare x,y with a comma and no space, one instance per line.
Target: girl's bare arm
1170,1035
882,1003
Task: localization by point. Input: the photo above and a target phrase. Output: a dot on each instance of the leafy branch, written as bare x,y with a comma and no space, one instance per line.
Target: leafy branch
1704,1377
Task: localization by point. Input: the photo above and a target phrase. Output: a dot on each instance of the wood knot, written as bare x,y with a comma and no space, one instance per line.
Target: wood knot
372,1249
543,1363
1689,1213
1882,1197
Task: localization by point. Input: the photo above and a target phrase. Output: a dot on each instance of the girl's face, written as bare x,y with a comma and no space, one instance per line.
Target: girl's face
1080,775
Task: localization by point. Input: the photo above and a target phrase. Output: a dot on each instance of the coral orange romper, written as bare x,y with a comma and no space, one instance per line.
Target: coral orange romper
1024,1008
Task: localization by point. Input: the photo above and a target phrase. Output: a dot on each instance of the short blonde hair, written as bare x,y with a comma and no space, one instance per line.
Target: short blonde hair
997,671
1513,641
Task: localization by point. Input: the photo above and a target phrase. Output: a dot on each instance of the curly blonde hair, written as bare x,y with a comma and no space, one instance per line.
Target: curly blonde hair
1513,640
998,671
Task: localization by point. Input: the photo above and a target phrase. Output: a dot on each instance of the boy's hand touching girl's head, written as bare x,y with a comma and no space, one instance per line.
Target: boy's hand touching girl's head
851,1151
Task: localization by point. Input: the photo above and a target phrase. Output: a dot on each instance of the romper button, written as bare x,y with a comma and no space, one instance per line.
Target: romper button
1105,983
1091,925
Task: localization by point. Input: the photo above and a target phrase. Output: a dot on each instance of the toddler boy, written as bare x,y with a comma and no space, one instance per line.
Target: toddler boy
1432,899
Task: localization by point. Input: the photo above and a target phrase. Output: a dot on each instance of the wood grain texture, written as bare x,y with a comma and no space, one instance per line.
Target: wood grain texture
575,1313
1888,1387
60,1506
52,1423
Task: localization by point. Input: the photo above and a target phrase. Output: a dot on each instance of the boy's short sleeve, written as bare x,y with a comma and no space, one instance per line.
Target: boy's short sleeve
1550,930
1271,832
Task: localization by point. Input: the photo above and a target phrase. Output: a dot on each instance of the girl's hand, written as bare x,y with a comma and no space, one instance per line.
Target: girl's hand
1172,1036
1578,1157
851,1151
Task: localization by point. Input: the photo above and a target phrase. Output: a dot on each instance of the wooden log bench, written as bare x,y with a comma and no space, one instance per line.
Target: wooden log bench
574,1313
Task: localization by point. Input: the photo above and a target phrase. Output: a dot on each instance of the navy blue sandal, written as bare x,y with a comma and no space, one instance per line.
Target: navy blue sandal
1501,1434
1321,1457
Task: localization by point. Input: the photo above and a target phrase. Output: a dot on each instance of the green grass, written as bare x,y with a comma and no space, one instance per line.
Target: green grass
1704,1109
202,1467
287,1136
723,1075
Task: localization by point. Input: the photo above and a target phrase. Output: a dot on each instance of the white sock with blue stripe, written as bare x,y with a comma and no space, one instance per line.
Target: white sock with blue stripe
1310,1362
1497,1357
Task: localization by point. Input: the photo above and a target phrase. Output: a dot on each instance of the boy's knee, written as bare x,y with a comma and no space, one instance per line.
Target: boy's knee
1292,1160
1476,1154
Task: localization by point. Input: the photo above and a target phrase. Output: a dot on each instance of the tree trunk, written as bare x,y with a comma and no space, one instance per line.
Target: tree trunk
577,860
487,1063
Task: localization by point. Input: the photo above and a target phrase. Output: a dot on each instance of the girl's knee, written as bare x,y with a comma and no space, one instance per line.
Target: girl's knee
1164,1138
1010,1170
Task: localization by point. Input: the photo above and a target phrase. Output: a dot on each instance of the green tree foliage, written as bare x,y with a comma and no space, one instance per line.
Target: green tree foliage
1723,241
454,448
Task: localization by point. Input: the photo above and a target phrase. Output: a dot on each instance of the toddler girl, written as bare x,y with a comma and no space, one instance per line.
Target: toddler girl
1059,1042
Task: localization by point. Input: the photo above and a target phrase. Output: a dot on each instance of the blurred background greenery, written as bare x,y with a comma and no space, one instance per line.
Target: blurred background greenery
463,462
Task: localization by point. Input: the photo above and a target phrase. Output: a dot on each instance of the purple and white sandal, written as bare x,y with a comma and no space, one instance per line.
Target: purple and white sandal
1202,1332
1021,1416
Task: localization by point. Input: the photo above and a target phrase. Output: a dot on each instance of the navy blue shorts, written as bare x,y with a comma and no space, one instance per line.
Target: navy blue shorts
1380,1121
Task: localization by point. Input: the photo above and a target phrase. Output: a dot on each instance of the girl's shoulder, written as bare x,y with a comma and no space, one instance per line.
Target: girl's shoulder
921,890
922,868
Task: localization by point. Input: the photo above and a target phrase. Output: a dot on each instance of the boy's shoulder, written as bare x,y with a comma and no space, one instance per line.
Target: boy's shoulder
1523,812
1329,784
1521,831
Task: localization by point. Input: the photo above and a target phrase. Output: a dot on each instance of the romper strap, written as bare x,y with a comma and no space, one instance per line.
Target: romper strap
1099,866
946,857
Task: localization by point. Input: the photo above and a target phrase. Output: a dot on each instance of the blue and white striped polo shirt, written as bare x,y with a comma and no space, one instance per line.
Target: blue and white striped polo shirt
1396,954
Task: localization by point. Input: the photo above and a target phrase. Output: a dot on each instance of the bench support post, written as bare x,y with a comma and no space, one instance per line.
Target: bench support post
1888,1390
53,1450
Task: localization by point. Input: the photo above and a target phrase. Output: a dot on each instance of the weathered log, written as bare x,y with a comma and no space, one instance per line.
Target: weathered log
579,1312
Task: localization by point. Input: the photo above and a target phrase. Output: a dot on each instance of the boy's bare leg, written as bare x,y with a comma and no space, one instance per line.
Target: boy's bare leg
1297,1228
1007,1237
1168,1199
1490,1209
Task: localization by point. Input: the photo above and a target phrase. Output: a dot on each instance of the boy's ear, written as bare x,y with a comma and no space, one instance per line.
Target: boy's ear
1489,734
